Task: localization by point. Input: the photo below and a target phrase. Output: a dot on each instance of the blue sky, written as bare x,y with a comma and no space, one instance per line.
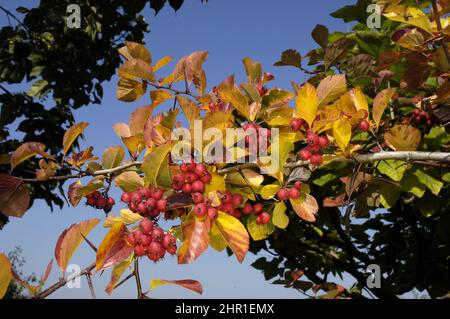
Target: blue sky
230,30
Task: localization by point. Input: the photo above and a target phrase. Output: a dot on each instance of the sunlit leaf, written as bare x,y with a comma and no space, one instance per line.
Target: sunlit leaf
259,232
253,70
117,272
342,132
190,109
115,234
5,274
381,102
269,191
27,150
129,90
234,234
359,99
126,216
279,217
112,157
162,62
403,137
306,207
195,238
72,133
409,15
331,88
134,50
160,96
190,284
152,163
136,69
129,181
307,103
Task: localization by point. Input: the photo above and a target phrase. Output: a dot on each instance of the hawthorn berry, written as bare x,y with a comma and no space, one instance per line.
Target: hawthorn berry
157,234
294,193
212,213
197,198
157,194
295,125
187,188
161,205
236,200
198,186
298,185
139,250
283,194
257,208
316,159
305,154
248,209
126,197
201,209
146,225
364,125
168,241
263,218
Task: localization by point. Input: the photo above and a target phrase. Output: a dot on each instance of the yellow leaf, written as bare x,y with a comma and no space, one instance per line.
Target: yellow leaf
279,217
359,99
162,62
409,15
342,132
129,181
70,239
269,191
72,133
27,150
159,96
252,178
217,183
307,103
134,50
330,88
152,163
5,274
115,233
129,90
380,103
112,157
234,234
259,232
126,216
136,69
230,93
190,109
403,137
117,272
216,239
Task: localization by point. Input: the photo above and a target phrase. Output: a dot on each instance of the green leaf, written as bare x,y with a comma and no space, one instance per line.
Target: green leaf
429,181
411,184
112,157
279,217
129,181
37,88
437,137
253,70
393,169
389,195
152,163
428,205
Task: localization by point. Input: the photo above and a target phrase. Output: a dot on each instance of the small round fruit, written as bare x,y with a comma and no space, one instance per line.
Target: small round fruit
197,198
155,251
248,209
157,234
316,159
236,200
206,178
201,209
151,203
237,213
298,185
283,194
184,167
198,186
139,250
126,197
323,141
263,218
146,225
187,188
131,239
145,240
212,213
100,202
227,197
135,198
364,125
172,250
191,177
157,194
91,201
227,208
305,154
312,139
161,205
257,208
295,125
200,169
294,193
142,208
168,241
111,201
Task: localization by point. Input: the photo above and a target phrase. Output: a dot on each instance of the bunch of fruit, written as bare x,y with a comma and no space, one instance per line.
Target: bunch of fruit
256,138
146,201
290,193
421,117
315,144
256,209
100,201
192,179
150,240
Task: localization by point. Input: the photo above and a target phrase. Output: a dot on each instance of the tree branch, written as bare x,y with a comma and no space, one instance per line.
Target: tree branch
437,18
137,277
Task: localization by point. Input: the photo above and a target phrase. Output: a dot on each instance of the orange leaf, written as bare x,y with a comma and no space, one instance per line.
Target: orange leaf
117,272
5,274
306,207
27,150
138,119
403,137
195,238
380,103
136,69
14,196
70,239
116,233
234,234
190,284
72,133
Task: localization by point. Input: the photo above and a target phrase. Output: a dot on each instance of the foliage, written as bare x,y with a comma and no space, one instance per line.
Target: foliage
38,49
361,177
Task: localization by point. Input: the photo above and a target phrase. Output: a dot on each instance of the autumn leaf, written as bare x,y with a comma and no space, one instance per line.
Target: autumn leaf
112,157
190,109
70,239
14,196
77,191
136,69
116,234
259,232
159,96
134,50
306,207
129,181
230,93
129,90
27,150
359,99
195,238
290,58
307,103
402,137
279,217
5,274
216,239
381,102
190,284
126,216
330,88
162,62
72,133
138,118
253,70
409,15
152,163
342,132
117,272
234,234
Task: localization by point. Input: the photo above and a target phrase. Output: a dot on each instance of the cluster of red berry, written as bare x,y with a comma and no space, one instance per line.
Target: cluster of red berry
315,144
149,239
100,201
146,201
192,179
256,138
422,117
262,217
292,193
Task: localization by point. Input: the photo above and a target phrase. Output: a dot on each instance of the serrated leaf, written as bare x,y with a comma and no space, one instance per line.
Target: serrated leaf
126,216
134,50
160,96
70,239
195,238
136,69
330,88
409,15
403,137
190,109
117,272
290,58
253,70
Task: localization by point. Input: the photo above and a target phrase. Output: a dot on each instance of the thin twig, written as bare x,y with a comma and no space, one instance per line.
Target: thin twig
124,280
137,277
437,18
91,286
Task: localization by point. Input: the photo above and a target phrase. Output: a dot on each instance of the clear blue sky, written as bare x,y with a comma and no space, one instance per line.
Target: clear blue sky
229,30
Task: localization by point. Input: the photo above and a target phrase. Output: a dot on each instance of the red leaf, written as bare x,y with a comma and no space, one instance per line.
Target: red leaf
195,238
190,284
14,196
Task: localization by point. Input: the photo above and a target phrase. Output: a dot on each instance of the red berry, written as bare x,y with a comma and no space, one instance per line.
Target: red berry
91,201
168,241
200,169
323,141
429,123
364,125
157,234
184,167
227,208
248,209
416,112
236,200
100,202
157,194
316,159
187,188
151,203
237,213
206,178
172,250
131,239
294,193
142,192
312,139
111,201
142,208
283,194
257,208
96,194
154,212
201,209
212,213
145,240
191,177
147,193
126,197
314,148
262,90
155,251
133,207
263,218
298,185
198,186
146,225
135,197
227,197
178,179
296,125
305,154
197,198
139,250
161,205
